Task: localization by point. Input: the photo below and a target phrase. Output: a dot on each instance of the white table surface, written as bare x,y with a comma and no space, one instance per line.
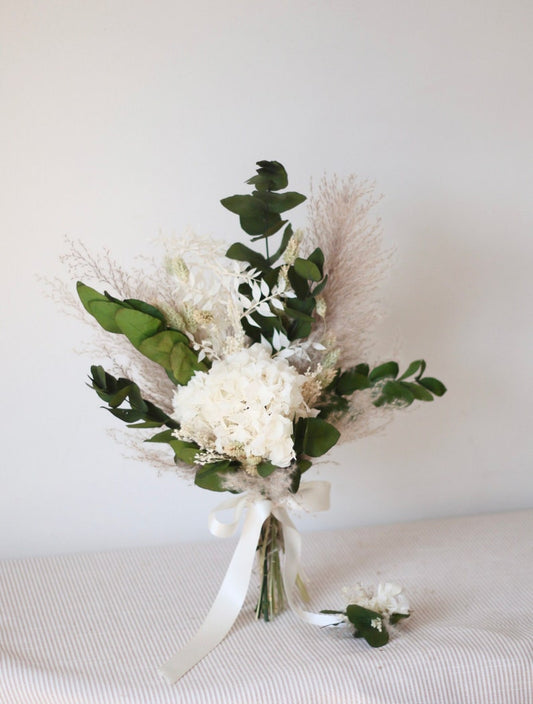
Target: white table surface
93,628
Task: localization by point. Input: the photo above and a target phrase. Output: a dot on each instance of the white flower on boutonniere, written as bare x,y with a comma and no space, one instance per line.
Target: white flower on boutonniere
387,598
244,407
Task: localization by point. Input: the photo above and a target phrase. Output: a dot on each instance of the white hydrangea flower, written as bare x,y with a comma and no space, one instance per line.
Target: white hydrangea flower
387,599
244,407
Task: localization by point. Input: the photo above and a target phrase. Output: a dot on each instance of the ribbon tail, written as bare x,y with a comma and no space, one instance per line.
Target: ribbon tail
229,600
291,568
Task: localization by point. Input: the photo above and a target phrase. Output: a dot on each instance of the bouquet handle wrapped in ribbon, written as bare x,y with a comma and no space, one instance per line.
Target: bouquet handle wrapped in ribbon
249,366
314,496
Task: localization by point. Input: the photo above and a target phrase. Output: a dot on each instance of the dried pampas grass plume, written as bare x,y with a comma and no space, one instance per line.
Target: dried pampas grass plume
340,223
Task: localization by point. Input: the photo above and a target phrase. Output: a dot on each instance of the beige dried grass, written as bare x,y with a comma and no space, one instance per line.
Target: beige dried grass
340,222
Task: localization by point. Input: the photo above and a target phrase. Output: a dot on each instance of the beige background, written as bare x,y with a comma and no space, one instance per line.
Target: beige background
123,120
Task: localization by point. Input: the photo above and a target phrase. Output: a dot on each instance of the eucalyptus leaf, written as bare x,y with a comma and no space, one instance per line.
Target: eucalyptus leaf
350,381
319,436
395,392
299,329
243,205
286,238
418,365
105,314
163,436
242,253
98,375
146,308
298,283
136,400
418,391
321,286
317,257
158,347
145,424
119,397
87,294
271,176
279,202
137,326
261,223
184,451
265,469
304,465
211,476
128,415
434,385
383,371
184,362
115,391
307,270
394,618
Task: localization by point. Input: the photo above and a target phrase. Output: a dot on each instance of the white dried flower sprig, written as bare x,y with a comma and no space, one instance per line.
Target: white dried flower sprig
209,306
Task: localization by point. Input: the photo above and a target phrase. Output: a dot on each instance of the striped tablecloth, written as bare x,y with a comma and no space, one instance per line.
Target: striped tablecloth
93,628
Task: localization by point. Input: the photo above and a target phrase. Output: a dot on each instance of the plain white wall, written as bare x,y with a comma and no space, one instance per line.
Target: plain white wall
121,120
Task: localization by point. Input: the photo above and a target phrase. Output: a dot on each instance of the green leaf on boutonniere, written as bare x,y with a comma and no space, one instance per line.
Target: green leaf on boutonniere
368,625
394,618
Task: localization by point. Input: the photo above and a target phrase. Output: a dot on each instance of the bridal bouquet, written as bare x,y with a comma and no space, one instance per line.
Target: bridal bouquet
248,365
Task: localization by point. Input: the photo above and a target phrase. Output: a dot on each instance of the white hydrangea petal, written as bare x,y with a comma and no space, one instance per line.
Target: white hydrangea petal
244,406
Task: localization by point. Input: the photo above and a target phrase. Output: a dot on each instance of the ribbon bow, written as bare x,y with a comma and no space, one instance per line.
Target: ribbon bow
314,496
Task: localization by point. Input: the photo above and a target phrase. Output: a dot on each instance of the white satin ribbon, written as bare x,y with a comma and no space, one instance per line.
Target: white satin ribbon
313,496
